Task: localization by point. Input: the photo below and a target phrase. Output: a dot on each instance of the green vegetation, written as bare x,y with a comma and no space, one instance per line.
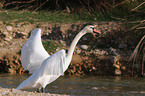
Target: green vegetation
51,46
69,11
53,17
61,17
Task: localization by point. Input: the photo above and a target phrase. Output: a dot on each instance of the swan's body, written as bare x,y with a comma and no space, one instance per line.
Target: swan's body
53,66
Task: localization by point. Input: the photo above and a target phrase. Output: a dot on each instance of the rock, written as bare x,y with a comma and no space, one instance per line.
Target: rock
78,51
97,50
116,66
9,28
122,46
84,47
117,72
17,25
113,51
23,25
5,34
100,52
69,34
8,38
1,22
103,52
21,34
95,88
62,42
84,38
113,59
123,68
12,71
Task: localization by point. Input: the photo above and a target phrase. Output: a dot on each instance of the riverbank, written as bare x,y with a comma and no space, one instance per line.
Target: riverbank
58,36
105,54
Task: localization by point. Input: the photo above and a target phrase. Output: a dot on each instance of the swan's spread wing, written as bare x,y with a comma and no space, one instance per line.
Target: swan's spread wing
33,52
53,65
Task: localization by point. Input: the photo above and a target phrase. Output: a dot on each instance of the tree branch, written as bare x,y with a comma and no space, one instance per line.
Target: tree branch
138,6
40,6
19,2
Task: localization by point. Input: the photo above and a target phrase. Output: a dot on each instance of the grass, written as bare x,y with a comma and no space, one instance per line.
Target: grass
51,46
52,17
32,17
58,16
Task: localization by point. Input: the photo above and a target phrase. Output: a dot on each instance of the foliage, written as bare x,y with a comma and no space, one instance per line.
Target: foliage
51,46
116,9
72,5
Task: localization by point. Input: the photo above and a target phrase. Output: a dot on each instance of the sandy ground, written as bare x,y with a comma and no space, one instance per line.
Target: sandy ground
15,92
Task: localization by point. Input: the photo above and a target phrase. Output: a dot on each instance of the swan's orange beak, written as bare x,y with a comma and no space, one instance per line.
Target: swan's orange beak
96,31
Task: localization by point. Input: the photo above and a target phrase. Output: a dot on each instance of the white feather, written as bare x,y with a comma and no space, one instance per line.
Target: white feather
33,52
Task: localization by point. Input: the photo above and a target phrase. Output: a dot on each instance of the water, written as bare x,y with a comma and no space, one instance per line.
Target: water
97,85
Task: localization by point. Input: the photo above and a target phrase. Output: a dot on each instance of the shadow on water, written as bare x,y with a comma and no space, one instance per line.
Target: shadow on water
93,85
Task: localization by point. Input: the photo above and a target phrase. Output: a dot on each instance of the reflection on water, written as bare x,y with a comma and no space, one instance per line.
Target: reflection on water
97,85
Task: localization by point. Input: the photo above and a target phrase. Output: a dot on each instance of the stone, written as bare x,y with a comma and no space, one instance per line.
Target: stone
1,22
97,50
9,28
116,66
113,51
21,34
17,25
117,72
122,46
84,47
12,71
123,68
113,59
8,38
78,51
5,34
84,38
95,88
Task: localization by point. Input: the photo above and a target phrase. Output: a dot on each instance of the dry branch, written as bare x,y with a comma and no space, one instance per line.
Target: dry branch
134,55
141,28
19,2
120,3
141,22
138,6
40,6
136,49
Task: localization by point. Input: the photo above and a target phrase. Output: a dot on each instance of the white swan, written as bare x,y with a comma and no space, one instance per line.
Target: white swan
54,66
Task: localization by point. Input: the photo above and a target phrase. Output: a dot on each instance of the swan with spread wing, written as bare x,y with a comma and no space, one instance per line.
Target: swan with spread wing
52,66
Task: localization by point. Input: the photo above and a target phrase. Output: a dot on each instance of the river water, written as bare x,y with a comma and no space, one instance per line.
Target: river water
90,85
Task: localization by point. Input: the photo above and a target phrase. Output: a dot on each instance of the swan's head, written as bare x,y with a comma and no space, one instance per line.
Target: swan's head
91,29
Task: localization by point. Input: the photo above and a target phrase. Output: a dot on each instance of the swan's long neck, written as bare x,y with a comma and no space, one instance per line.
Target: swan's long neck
73,45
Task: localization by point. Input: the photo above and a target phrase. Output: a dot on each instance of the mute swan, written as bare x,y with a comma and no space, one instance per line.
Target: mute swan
54,66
